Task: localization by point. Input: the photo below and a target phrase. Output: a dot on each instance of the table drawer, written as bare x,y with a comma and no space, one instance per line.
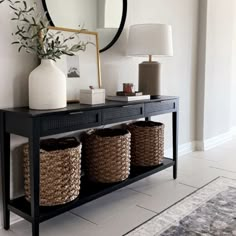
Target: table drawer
70,122
124,113
155,108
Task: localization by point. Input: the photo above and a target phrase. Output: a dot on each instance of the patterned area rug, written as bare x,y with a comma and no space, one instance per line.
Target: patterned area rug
209,211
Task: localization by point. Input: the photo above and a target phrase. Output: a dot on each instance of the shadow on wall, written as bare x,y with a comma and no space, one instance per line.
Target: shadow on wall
20,98
20,95
17,179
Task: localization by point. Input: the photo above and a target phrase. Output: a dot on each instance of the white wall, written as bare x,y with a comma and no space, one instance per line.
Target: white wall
216,77
113,13
233,85
218,67
74,15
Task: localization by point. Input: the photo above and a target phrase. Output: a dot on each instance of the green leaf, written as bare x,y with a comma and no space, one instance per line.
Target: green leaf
31,9
13,8
10,1
17,14
25,4
29,28
68,53
34,20
26,20
20,48
42,24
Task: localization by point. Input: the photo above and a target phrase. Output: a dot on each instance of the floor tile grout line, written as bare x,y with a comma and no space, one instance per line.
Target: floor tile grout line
212,160
149,195
82,218
217,168
188,185
147,209
199,158
159,213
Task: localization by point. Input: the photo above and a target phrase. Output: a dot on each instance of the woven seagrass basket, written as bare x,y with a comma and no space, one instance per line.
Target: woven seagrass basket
106,154
147,143
60,170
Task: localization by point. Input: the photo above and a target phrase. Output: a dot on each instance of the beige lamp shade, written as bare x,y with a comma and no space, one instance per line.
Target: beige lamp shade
150,39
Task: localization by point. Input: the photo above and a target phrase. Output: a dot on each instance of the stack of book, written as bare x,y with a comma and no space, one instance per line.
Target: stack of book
127,97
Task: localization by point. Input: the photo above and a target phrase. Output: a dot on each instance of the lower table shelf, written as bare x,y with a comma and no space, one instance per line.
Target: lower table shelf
89,192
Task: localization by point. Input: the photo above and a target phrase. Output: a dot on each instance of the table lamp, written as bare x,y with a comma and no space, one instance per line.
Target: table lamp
150,40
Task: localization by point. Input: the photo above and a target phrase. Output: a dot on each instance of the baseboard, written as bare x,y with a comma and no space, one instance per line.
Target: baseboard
199,145
214,142
183,149
203,145
187,148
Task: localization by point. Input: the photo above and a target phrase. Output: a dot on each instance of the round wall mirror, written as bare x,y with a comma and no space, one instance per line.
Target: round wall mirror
107,17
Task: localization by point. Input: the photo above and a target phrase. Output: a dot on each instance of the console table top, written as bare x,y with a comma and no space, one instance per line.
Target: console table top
76,107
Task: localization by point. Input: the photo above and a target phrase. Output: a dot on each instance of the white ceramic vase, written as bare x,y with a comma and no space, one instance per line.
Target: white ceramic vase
47,87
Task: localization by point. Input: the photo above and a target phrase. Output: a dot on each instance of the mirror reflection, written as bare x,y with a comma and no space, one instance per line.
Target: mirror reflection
102,16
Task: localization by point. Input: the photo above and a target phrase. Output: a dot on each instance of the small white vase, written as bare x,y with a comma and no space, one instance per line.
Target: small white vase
47,87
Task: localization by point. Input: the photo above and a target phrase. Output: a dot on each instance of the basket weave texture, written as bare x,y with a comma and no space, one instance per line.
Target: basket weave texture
107,155
59,171
147,143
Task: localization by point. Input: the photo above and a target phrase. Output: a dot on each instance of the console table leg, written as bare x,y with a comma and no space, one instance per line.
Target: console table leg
34,157
35,228
5,170
175,142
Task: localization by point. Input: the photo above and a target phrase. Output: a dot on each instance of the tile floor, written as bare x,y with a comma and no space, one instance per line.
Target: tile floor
121,211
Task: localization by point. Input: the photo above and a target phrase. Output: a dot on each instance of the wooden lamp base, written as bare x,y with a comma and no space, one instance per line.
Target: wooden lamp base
149,78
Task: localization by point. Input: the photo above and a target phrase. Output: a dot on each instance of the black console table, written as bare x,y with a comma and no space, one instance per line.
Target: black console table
35,124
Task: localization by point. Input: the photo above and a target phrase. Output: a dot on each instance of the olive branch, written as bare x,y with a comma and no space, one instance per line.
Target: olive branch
32,33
